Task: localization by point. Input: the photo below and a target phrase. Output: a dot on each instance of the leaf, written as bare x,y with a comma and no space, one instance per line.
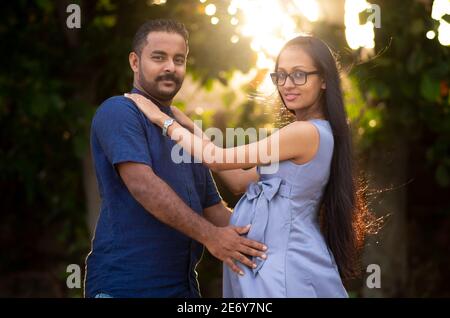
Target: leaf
208,85
40,106
379,90
107,21
80,144
446,18
228,98
45,5
442,176
430,88
417,27
415,62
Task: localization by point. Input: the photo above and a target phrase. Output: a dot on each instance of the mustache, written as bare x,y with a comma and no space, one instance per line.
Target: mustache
168,77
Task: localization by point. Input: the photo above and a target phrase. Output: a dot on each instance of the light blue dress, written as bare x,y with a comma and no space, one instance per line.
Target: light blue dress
282,209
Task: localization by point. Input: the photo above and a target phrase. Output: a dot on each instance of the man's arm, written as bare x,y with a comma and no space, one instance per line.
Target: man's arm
161,201
218,214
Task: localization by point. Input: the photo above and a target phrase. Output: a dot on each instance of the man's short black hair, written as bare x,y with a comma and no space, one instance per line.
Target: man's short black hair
157,25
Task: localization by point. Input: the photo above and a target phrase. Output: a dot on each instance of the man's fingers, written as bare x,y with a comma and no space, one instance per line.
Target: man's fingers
233,266
242,229
253,244
244,260
252,252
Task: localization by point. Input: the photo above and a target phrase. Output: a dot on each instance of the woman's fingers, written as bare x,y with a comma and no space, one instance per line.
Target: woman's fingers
131,96
135,97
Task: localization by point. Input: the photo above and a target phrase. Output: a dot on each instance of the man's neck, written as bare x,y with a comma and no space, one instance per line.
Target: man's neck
151,97
164,107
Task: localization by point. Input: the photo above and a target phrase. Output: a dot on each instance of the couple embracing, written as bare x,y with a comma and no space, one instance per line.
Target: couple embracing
292,234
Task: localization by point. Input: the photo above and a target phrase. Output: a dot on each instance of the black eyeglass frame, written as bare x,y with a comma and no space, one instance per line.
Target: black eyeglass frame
274,77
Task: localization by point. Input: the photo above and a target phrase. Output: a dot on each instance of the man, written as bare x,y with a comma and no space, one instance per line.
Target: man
155,214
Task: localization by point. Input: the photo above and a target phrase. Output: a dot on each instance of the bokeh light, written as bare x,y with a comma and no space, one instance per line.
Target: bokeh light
358,35
210,9
441,8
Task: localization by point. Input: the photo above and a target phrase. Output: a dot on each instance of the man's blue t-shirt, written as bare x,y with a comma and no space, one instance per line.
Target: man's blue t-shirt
133,254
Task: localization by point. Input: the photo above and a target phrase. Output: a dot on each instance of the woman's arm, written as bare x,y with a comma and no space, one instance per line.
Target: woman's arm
187,123
298,140
237,180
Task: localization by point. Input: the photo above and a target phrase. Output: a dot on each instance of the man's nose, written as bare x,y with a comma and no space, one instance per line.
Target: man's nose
169,67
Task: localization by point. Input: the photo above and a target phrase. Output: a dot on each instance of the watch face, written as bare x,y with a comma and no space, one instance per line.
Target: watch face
167,123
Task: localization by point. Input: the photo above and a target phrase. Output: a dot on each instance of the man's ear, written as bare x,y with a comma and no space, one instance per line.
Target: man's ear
133,58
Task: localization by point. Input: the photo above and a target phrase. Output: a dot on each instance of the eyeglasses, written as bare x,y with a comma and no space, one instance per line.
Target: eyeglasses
297,77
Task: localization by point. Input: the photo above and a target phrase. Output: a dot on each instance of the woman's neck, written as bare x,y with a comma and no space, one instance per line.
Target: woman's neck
308,114
313,111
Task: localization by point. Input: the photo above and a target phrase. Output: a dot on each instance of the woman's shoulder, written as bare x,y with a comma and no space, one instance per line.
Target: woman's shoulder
301,128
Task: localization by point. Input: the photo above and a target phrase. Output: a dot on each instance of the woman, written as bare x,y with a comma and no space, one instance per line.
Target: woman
306,212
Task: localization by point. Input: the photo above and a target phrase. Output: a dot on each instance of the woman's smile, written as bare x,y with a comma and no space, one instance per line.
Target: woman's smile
290,97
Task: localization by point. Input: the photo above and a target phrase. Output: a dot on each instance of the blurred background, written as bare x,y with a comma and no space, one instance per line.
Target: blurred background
56,70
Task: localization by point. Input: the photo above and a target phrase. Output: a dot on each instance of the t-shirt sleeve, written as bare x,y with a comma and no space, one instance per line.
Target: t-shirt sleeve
120,130
212,196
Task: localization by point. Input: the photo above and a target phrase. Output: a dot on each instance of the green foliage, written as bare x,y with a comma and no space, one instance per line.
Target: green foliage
405,88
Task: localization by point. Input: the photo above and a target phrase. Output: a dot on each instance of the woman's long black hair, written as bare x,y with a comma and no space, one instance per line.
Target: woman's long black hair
343,213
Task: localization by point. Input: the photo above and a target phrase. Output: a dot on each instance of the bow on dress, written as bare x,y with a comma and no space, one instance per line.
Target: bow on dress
263,192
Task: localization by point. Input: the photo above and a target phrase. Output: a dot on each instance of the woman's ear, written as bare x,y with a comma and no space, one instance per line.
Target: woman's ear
324,84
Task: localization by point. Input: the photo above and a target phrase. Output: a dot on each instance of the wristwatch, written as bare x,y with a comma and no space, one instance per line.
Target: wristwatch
166,125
